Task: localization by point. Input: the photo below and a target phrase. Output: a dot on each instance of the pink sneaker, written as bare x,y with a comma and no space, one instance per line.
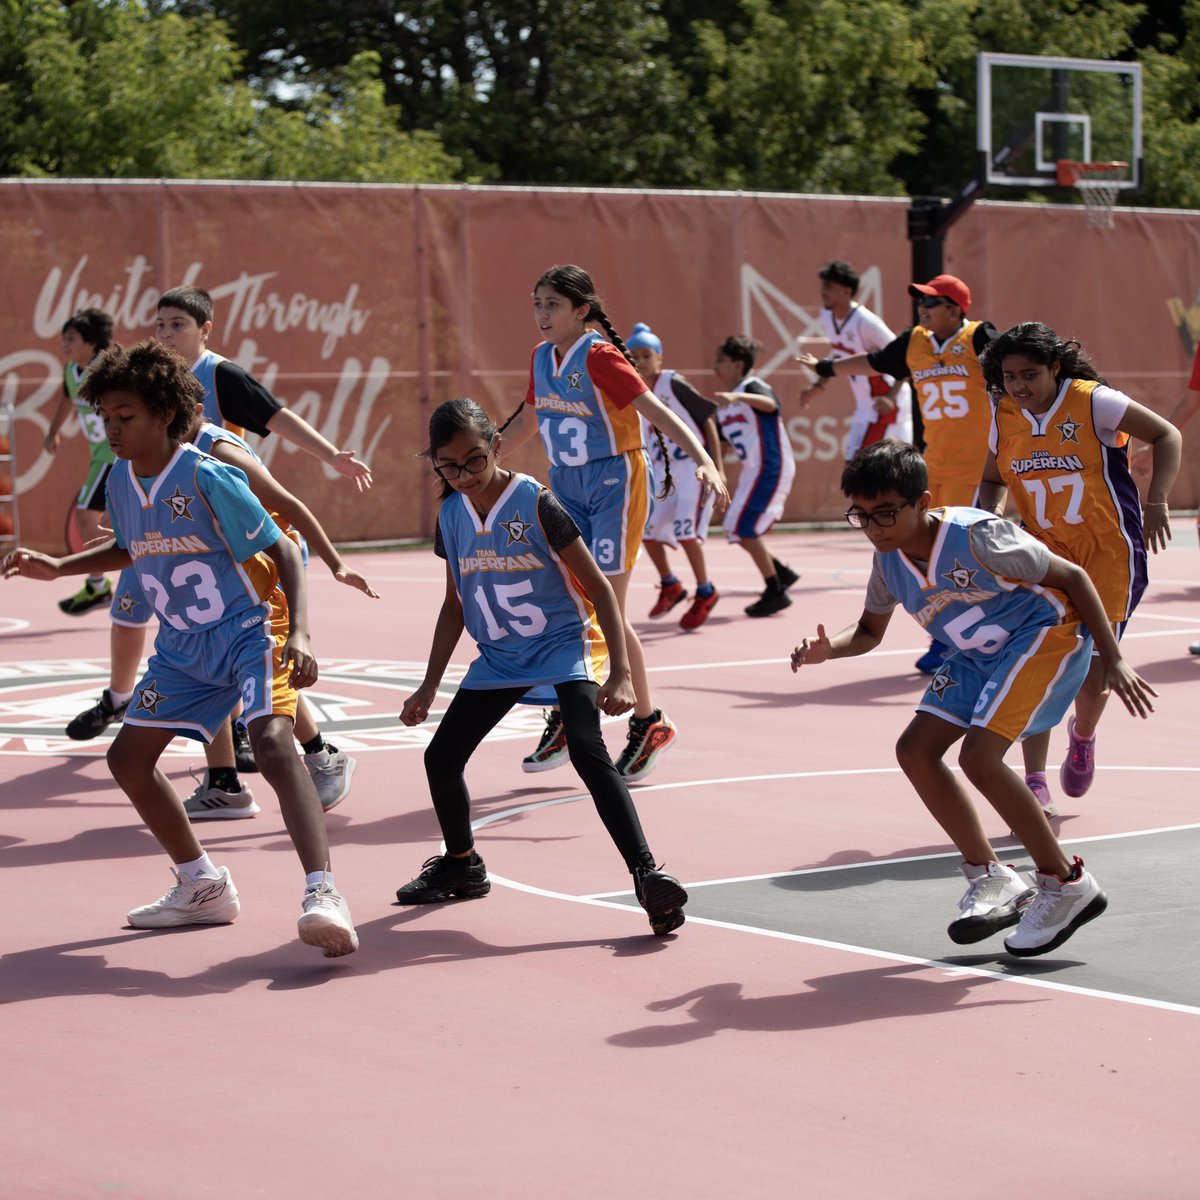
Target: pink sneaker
1079,767
1036,783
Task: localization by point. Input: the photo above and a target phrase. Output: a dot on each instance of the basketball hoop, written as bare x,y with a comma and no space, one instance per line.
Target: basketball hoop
1098,183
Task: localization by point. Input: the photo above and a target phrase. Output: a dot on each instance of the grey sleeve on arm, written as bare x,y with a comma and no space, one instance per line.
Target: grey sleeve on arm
1005,549
879,598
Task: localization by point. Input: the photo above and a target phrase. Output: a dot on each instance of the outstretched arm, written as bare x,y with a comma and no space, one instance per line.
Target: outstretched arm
300,433
664,420
95,561
853,640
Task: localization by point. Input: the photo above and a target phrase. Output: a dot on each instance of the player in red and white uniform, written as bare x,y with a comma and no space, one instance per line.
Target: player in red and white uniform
882,404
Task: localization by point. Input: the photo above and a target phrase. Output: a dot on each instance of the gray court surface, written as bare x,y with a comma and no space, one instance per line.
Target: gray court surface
1147,944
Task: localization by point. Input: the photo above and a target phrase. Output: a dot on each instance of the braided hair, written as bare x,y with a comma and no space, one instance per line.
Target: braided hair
576,285
1038,342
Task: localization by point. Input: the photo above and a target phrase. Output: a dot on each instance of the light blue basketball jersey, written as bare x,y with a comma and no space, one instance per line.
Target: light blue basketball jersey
194,534
205,370
958,600
575,421
532,621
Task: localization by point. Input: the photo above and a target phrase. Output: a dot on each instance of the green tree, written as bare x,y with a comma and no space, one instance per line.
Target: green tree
112,90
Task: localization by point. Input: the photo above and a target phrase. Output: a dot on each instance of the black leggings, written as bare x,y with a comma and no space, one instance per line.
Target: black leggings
473,713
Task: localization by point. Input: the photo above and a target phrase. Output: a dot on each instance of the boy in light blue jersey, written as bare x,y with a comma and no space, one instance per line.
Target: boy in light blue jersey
212,562
1012,611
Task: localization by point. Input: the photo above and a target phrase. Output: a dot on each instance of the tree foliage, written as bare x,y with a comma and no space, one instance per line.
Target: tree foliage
112,90
849,96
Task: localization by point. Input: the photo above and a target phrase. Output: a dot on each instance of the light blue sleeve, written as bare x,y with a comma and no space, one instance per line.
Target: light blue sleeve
247,526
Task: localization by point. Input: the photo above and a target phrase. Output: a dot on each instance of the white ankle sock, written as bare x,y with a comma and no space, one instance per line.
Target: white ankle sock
315,878
198,868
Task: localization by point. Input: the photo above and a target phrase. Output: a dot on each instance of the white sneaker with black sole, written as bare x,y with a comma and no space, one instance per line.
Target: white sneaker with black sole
326,921
191,902
1060,907
995,898
209,803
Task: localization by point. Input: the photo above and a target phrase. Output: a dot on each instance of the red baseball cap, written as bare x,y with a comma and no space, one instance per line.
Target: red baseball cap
949,286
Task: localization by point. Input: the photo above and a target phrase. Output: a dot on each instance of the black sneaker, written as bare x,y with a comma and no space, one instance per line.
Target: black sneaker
552,749
86,599
96,719
243,755
785,575
774,599
662,896
446,878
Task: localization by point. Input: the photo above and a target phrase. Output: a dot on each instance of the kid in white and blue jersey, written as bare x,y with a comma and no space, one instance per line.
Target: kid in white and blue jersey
520,580
751,422
586,399
681,517
212,562
1011,611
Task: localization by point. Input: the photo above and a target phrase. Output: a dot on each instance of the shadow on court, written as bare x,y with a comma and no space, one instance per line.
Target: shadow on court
829,1001
388,944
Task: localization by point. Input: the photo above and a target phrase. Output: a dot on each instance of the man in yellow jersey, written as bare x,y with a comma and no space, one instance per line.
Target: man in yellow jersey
941,357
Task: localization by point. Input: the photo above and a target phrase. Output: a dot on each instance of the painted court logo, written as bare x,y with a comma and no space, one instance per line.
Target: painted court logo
356,702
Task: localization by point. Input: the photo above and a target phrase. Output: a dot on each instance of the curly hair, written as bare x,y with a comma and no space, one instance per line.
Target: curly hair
1041,344
159,377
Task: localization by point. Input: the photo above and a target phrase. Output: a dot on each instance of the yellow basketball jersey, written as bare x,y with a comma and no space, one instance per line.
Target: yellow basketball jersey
955,410
1075,493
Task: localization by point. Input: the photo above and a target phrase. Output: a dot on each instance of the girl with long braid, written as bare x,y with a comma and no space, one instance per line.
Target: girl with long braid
584,399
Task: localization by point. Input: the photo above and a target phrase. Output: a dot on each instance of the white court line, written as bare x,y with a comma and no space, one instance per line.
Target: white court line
12,625
600,900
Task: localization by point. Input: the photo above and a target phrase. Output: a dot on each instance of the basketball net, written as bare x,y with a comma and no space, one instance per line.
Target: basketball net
1098,183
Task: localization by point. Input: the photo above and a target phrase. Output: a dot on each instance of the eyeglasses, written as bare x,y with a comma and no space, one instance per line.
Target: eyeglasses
932,301
473,466
885,518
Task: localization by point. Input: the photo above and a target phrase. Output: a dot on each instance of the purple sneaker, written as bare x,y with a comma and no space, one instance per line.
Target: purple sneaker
1079,767
1036,783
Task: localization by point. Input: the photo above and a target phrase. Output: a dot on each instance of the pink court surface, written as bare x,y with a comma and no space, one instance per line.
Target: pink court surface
811,1029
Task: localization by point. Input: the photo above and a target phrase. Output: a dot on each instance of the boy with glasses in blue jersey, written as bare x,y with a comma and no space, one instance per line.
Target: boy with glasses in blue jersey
1013,612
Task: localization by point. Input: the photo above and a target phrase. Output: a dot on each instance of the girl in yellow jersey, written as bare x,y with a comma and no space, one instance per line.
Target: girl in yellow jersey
1059,445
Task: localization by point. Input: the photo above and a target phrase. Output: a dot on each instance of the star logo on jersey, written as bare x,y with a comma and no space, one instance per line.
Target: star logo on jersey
1068,430
961,577
517,530
180,505
150,697
941,682
958,348
126,604
574,381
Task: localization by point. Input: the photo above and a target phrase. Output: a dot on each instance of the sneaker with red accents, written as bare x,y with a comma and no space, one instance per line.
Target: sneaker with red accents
1079,767
698,613
669,595
1036,783
648,738
1058,909
551,751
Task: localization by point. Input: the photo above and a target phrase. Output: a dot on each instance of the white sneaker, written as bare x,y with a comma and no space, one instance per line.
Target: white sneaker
327,922
1058,909
331,773
203,902
994,898
212,804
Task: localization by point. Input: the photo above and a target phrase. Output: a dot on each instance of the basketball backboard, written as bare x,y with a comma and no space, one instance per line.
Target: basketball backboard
1035,112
